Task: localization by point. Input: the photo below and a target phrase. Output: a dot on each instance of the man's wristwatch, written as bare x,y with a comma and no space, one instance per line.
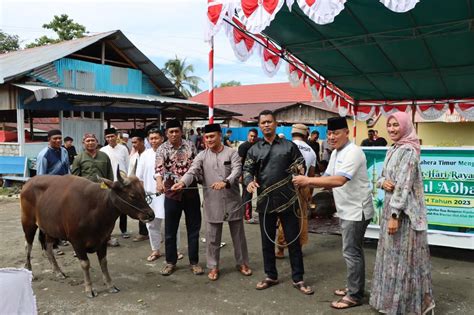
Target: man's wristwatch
227,183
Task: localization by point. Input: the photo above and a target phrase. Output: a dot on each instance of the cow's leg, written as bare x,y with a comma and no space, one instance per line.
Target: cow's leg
30,232
102,256
85,265
52,259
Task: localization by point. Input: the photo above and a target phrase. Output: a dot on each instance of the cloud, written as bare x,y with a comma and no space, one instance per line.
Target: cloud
161,29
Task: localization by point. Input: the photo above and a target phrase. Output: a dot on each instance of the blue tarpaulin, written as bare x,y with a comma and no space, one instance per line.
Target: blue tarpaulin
240,133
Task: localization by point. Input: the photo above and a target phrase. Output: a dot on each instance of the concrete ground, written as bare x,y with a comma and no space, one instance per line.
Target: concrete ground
144,290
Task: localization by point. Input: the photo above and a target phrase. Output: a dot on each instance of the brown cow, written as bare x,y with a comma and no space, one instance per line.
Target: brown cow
83,212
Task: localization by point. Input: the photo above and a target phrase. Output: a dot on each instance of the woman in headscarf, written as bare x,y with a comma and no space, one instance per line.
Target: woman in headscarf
402,275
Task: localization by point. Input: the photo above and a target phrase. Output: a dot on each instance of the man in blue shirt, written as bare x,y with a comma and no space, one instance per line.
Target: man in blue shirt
53,160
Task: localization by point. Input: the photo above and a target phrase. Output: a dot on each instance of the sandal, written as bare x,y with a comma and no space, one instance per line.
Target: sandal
197,270
266,283
153,256
346,303
213,274
341,292
303,288
168,269
245,270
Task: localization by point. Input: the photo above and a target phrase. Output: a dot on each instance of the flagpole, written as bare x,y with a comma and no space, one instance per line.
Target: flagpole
211,81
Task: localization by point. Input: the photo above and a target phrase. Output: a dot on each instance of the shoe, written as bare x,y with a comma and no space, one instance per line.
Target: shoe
113,242
140,238
251,221
63,243
168,269
58,252
197,270
125,235
244,270
180,256
213,274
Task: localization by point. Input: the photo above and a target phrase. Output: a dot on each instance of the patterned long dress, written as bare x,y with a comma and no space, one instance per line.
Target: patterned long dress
402,276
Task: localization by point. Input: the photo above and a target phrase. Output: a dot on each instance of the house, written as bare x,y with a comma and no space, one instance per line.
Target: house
86,84
290,104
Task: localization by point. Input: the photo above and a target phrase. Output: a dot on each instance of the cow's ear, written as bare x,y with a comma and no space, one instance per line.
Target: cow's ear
106,183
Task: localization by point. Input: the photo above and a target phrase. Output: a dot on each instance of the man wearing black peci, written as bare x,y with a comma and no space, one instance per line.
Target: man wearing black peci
268,165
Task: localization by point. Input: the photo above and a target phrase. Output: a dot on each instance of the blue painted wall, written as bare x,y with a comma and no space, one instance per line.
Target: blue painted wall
240,134
136,82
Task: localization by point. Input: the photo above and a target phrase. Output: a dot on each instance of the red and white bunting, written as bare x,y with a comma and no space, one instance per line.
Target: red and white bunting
388,110
321,11
344,107
216,11
295,75
363,113
270,60
466,110
242,44
258,14
314,87
400,6
433,111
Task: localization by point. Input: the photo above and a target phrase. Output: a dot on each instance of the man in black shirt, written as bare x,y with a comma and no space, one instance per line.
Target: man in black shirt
314,144
246,196
267,170
71,150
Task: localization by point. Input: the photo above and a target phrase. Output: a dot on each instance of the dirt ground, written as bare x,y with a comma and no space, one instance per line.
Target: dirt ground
144,290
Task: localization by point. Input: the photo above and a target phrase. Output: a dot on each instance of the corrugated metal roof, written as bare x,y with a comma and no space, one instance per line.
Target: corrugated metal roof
17,63
165,104
46,92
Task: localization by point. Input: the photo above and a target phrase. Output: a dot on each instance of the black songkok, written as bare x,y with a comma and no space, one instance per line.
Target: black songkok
173,124
54,132
335,123
212,128
138,133
110,131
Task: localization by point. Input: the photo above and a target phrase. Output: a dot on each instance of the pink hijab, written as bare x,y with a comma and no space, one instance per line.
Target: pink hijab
407,130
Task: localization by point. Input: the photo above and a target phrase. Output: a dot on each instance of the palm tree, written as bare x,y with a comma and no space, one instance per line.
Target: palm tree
179,73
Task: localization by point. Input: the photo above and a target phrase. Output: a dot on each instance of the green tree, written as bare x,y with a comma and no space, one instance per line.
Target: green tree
8,42
230,83
180,74
64,27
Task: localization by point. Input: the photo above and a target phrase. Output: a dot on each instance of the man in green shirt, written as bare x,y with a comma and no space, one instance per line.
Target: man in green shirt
91,162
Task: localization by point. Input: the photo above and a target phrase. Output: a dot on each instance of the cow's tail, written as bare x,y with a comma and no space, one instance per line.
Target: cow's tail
42,239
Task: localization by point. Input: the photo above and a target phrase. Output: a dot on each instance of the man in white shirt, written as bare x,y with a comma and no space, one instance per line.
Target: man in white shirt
118,155
346,174
138,145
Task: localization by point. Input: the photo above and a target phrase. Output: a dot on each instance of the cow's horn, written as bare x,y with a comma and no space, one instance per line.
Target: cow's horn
119,176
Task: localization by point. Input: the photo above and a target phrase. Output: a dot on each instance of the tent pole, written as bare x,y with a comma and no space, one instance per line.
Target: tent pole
354,126
211,81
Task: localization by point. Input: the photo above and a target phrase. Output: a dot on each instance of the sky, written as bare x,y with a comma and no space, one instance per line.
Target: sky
161,29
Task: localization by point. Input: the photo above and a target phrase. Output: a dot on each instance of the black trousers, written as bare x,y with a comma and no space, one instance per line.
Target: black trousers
142,230
291,229
123,223
191,205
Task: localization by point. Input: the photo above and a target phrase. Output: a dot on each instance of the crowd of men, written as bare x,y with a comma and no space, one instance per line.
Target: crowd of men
277,172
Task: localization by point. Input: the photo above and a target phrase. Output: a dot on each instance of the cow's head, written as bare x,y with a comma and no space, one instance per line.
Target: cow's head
128,197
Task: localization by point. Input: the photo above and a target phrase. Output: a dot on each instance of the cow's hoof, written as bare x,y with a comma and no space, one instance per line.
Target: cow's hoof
114,289
91,294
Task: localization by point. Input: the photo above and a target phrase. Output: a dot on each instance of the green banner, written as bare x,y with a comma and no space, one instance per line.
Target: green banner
448,180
